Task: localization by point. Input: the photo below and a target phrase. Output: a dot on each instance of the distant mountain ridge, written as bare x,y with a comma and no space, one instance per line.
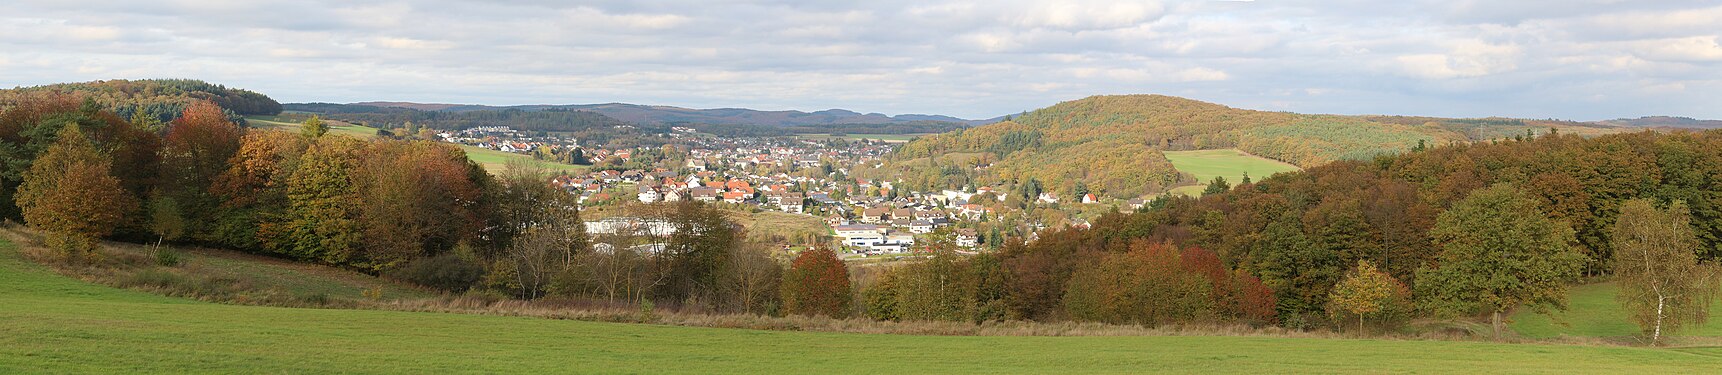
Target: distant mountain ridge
657,114
1665,122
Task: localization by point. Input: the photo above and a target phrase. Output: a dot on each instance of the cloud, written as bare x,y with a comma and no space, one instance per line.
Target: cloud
1466,59
1581,59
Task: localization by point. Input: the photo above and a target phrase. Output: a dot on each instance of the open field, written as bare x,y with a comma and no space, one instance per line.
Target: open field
1595,313
887,138
492,160
335,127
1229,163
53,324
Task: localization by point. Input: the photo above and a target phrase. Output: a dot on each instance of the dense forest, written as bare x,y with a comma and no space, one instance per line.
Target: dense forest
1112,143
156,101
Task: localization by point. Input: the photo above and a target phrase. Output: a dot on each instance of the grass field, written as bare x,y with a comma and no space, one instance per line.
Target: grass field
1229,163
53,324
1594,312
492,160
887,138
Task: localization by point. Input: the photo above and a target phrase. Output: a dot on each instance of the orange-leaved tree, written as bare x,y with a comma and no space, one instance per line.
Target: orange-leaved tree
817,284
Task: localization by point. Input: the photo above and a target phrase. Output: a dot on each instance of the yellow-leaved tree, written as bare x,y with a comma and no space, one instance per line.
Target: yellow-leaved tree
71,195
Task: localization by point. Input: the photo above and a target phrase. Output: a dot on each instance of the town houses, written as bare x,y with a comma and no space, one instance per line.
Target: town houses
800,176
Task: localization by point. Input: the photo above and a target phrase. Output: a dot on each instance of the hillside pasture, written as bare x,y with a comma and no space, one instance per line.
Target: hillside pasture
1595,313
1230,163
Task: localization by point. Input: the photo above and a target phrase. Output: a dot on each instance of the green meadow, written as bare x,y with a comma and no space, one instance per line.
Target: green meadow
1229,163
54,324
1593,311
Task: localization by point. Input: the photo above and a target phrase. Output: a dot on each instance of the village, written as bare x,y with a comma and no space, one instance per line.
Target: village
808,177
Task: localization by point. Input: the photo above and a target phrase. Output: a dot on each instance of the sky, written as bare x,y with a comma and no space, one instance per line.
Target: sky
1566,59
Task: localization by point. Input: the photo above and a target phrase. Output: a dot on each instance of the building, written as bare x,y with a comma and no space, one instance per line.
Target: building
860,235
921,226
967,237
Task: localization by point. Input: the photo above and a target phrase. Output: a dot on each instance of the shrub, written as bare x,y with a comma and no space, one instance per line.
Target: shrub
447,272
166,257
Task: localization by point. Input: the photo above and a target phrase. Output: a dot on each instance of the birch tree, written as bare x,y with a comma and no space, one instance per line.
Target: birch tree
1662,285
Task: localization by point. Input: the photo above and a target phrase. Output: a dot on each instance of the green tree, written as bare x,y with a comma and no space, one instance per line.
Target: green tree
1498,251
1367,292
70,194
1218,185
1662,285
313,127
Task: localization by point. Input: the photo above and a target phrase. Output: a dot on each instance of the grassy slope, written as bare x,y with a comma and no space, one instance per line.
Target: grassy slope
1229,163
492,160
1594,312
50,323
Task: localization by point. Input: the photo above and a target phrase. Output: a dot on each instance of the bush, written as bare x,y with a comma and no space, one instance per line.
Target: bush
447,272
166,257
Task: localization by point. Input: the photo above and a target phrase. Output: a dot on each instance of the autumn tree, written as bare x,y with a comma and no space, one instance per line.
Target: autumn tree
545,235
1498,251
69,194
1147,285
419,200
1366,293
321,218
1662,285
194,154
254,189
817,283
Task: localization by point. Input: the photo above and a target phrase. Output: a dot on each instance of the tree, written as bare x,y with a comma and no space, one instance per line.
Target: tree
1662,285
195,154
545,233
698,253
1367,292
313,127
70,194
1218,185
753,279
1498,251
321,219
418,201
817,283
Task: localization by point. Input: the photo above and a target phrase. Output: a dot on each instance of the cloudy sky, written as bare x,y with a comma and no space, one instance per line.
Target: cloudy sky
1570,59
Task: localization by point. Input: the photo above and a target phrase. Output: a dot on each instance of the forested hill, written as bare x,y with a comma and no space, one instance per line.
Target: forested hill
659,114
161,99
1113,144
552,119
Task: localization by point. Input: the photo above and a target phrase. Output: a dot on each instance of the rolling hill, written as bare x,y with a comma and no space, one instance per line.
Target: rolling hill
1116,144
1666,122
158,99
658,114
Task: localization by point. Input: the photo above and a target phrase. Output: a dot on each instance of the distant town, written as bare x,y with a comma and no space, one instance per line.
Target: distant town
806,176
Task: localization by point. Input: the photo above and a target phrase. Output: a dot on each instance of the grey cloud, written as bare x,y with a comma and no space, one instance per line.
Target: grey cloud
1566,59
